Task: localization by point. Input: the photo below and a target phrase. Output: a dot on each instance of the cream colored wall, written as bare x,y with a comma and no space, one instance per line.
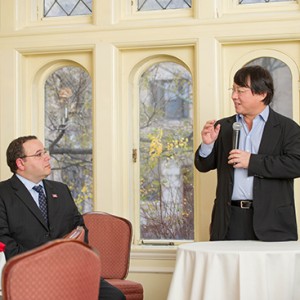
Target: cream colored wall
212,40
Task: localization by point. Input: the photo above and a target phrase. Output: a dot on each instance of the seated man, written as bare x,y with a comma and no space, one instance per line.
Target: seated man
34,210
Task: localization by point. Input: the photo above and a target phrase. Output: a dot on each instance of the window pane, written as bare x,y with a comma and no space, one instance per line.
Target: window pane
144,5
68,131
262,1
166,153
283,98
61,8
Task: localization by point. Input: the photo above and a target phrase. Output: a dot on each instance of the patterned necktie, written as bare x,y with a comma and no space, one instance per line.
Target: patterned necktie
42,201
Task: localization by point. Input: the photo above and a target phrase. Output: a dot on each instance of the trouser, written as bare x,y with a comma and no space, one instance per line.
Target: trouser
241,224
109,292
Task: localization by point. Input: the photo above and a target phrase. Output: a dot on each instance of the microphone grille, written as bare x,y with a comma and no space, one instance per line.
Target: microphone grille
236,126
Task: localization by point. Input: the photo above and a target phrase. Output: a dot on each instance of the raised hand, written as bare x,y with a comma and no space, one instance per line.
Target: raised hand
210,132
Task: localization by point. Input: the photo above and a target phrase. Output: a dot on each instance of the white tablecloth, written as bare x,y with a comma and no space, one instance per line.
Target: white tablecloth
2,263
237,270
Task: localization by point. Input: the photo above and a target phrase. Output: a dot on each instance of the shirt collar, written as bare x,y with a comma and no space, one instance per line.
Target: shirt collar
29,184
263,115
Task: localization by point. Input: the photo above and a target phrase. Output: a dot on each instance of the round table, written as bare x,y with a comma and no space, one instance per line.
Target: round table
237,270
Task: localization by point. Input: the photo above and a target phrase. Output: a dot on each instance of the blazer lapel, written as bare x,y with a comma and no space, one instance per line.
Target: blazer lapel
23,194
228,142
53,198
271,134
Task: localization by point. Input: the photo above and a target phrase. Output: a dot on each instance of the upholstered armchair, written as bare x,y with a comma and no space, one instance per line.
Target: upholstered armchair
60,269
112,235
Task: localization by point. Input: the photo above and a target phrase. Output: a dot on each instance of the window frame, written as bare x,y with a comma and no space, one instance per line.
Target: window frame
234,8
135,66
34,16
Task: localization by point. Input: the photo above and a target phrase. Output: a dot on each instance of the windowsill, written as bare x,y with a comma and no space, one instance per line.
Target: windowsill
153,259
156,251
153,252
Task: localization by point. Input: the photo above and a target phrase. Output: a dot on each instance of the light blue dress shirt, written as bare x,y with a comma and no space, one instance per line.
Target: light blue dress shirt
249,141
29,185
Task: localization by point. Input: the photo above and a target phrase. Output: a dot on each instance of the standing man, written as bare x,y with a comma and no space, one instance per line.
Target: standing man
34,210
255,193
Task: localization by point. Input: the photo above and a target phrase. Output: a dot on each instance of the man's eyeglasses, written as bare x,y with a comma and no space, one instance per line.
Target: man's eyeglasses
38,155
239,91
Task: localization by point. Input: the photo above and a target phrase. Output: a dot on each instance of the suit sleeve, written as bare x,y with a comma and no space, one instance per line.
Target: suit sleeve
78,218
284,159
205,164
12,247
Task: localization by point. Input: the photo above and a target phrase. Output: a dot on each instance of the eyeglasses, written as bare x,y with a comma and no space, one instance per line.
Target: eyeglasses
38,155
239,91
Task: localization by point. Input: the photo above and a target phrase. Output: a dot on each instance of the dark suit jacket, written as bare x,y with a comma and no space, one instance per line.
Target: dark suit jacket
22,226
274,168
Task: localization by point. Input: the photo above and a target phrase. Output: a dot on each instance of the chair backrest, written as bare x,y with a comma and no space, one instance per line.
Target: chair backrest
76,234
60,269
111,235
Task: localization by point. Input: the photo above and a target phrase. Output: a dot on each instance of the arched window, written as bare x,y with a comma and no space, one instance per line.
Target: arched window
68,131
166,153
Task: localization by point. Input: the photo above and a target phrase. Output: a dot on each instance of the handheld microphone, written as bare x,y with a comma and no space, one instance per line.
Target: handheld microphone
236,134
